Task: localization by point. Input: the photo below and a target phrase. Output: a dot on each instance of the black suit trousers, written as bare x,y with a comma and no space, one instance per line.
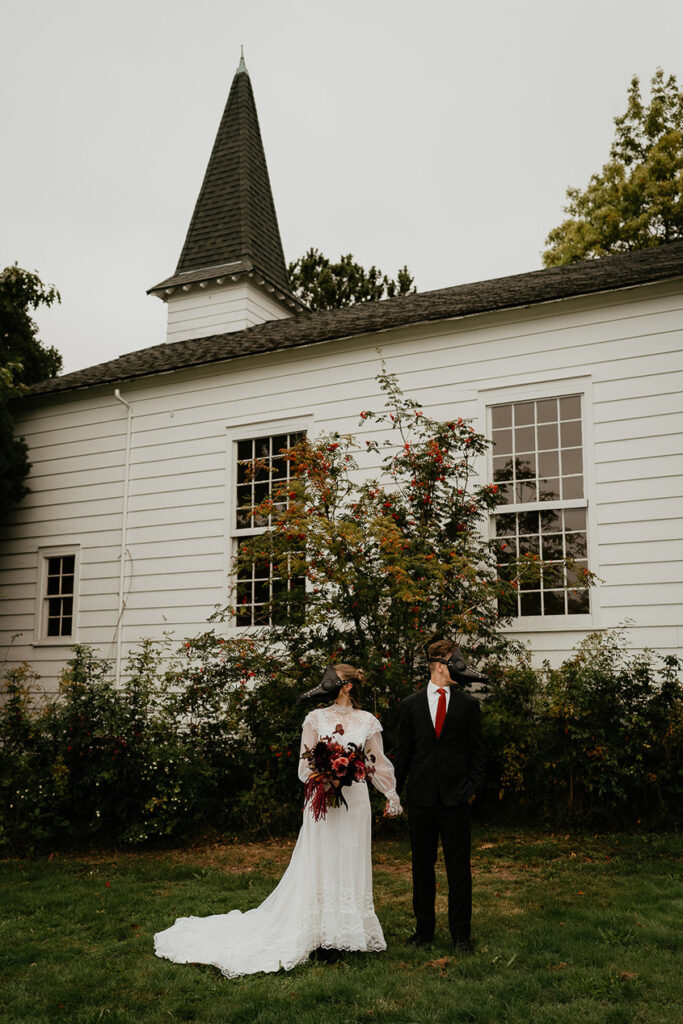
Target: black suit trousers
452,824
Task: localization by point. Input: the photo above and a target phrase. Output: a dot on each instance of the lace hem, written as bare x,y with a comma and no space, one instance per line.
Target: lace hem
204,940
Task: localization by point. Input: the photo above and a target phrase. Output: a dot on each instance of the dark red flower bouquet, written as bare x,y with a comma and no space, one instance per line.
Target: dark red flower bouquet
331,762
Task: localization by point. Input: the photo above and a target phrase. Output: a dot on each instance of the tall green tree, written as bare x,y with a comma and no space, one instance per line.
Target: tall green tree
322,284
24,360
636,200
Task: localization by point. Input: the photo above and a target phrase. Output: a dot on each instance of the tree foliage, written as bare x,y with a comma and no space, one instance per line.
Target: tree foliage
24,360
636,201
325,285
370,570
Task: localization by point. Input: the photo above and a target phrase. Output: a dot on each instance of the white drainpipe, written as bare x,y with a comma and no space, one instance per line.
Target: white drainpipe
124,532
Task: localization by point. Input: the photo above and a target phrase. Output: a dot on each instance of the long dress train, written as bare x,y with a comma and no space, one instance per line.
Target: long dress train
324,899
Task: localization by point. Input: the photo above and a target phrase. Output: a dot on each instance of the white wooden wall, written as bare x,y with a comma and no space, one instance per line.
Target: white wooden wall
627,345
201,312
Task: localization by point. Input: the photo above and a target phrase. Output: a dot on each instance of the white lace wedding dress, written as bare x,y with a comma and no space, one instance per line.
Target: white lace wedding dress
324,898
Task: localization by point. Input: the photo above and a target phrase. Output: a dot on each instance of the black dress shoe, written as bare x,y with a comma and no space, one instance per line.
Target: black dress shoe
464,946
416,940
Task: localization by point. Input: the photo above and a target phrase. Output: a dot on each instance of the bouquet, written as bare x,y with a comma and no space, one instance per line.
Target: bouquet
331,762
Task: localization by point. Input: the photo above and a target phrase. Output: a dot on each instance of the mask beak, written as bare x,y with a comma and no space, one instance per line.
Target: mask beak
329,686
460,672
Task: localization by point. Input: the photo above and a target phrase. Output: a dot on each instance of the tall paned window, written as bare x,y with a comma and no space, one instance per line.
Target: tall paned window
262,472
539,469
59,574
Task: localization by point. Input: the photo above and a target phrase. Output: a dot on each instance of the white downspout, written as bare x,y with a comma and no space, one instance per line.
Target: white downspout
124,532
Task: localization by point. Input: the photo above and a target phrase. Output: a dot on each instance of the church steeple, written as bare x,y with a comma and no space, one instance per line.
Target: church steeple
233,241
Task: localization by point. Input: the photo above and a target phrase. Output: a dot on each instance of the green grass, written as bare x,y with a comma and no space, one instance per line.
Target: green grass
569,930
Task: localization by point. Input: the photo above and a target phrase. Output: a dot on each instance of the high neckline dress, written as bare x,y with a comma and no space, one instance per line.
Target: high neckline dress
324,899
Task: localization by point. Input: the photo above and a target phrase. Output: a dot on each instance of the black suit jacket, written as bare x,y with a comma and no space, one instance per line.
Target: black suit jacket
451,767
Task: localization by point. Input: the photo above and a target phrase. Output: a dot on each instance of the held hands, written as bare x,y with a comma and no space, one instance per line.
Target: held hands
392,810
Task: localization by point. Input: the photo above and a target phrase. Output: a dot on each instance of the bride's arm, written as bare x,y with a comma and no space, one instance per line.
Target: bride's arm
384,777
309,738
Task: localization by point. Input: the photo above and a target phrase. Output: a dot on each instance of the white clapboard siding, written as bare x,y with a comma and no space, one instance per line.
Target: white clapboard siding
627,347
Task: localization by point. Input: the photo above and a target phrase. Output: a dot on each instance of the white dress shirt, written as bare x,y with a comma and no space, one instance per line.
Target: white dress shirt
433,698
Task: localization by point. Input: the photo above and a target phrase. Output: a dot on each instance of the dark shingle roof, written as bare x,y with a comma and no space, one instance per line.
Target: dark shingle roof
234,220
611,272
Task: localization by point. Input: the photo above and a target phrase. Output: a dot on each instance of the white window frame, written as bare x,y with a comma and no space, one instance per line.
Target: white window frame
41,639
244,432
561,387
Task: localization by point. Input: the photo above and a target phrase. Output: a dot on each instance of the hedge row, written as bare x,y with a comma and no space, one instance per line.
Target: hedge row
176,752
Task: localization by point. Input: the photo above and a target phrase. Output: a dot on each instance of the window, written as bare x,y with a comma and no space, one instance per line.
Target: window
538,467
58,595
262,472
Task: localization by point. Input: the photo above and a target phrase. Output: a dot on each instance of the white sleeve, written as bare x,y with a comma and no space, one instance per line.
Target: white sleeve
384,777
309,737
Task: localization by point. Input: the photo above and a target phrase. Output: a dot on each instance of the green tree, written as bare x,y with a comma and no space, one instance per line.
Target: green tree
325,285
362,570
24,360
636,201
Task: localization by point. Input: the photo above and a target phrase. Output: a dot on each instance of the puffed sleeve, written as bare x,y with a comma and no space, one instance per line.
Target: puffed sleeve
384,778
309,737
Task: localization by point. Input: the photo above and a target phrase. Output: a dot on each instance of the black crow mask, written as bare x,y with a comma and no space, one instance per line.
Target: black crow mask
459,670
329,686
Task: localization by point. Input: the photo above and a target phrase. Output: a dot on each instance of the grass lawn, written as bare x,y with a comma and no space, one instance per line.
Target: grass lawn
568,929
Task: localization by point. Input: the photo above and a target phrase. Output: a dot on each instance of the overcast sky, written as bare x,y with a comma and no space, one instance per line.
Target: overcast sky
440,134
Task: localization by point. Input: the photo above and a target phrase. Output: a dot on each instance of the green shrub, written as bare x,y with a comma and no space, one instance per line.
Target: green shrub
597,741
209,744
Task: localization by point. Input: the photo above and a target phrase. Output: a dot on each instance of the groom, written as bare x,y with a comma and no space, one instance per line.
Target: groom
441,755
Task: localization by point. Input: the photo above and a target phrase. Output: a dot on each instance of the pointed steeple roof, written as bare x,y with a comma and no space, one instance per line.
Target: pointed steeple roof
234,226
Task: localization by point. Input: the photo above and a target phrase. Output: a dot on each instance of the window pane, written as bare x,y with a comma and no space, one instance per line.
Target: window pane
549,490
53,584
54,607
502,441
572,487
526,491
262,447
524,413
243,472
68,564
546,412
577,602
505,525
528,522
575,576
66,626
547,436
551,546
575,545
54,566
525,465
530,603
570,408
553,575
67,605
553,602
572,461
525,439
67,584
501,416
53,627
548,464
245,449
575,519
551,522
502,468
280,443
571,433
529,545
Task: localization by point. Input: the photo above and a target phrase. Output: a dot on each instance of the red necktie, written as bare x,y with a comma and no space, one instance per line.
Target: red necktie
440,712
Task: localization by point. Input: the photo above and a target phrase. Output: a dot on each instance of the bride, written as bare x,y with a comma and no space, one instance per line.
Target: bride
324,899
